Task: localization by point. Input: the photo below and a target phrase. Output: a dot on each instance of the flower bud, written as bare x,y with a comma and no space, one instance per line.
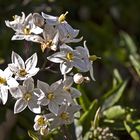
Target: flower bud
78,78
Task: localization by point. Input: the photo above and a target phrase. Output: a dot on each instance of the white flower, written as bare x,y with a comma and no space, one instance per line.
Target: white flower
67,33
68,58
23,70
24,27
49,39
6,82
65,115
54,95
26,95
88,59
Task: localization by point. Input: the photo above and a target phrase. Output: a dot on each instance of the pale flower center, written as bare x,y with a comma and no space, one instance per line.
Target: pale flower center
2,80
62,17
41,121
69,56
22,72
27,96
27,30
50,96
64,116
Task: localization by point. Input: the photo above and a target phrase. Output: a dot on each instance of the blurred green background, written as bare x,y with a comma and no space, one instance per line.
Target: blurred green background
102,23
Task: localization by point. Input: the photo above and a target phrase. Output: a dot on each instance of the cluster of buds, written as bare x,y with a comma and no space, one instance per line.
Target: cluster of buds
103,134
54,34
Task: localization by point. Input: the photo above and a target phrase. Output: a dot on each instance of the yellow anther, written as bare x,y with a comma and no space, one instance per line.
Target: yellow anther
69,56
94,57
46,45
64,116
62,17
50,96
41,121
27,96
27,30
22,72
2,80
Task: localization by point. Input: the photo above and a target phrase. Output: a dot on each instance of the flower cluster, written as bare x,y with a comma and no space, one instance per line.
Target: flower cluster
58,99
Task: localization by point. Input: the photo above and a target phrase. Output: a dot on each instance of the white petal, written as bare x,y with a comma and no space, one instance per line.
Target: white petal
37,30
65,67
53,107
14,68
7,72
18,37
20,105
32,72
16,92
36,126
29,83
91,72
43,86
31,62
12,82
34,107
17,60
4,94
35,38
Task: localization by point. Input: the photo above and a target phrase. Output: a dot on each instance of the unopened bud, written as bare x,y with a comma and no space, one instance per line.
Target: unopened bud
86,79
38,19
44,131
78,78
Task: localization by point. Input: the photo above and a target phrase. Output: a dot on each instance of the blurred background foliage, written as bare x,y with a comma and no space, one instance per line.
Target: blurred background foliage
112,31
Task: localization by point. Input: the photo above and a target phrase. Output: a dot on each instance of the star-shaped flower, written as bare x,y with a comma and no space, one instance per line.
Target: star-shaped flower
26,95
53,95
23,70
68,58
6,82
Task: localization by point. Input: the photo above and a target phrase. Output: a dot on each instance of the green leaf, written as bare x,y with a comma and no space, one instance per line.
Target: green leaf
115,112
117,79
135,63
88,116
84,101
129,42
113,95
33,135
133,128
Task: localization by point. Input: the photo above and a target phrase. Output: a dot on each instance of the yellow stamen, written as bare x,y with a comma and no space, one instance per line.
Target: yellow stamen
62,17
94,57
22,72
2,80
41,121
64,116
27,30
50,96
69,56
27,96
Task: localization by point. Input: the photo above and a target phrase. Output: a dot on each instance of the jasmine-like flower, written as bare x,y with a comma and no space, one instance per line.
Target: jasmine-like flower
67,33
6,82
49,39
68,58
26,95
42,123
65,115
53,95
23,70
88,59
24,27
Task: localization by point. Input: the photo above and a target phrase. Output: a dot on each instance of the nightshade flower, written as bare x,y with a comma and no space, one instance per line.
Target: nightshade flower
88,59
24,27
49,39
67,33
23,70
68,58
42,123
65,115
6,82
53,95
26,95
